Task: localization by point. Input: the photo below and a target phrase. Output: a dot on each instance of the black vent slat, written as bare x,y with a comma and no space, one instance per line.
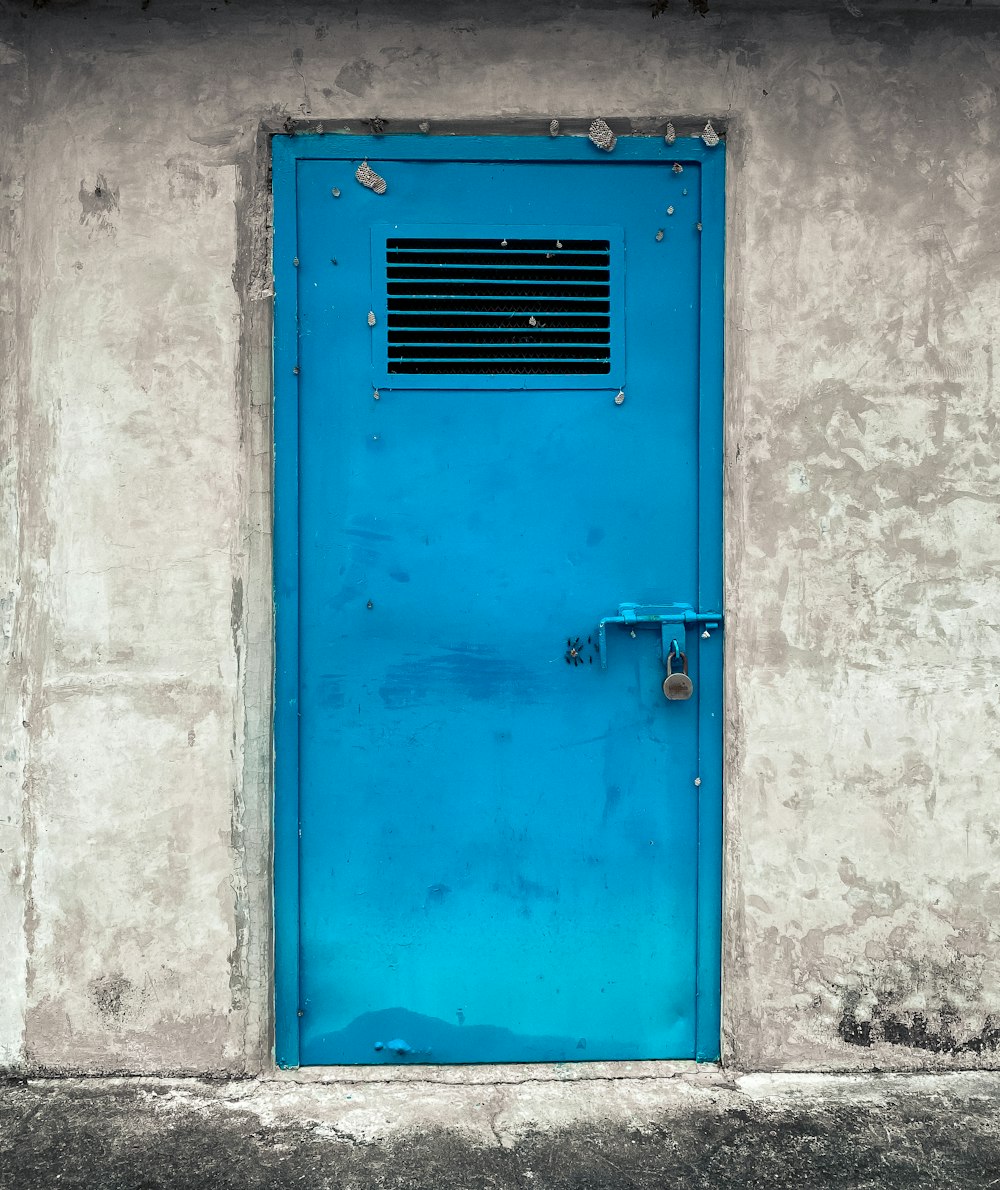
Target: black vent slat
498,307
556,337
497,245
484,275
495,321
489,288
554,305
506,260
493,368
497,351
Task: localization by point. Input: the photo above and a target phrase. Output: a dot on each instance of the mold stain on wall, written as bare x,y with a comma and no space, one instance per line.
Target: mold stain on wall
919,1006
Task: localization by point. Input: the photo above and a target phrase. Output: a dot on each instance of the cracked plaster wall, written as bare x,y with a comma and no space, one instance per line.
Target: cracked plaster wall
862,498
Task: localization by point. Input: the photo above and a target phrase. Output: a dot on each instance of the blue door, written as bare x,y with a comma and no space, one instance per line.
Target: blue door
498,405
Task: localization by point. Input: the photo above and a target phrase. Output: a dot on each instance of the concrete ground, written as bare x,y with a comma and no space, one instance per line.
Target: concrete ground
684,1127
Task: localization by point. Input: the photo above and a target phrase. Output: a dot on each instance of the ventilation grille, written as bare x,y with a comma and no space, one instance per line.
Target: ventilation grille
528,307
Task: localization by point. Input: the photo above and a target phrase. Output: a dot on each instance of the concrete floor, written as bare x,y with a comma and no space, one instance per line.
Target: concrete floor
695,1127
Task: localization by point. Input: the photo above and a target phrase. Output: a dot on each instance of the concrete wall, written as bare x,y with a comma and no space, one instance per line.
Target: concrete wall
863,497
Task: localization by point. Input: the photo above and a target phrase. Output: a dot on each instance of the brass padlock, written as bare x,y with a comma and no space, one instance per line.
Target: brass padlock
677,686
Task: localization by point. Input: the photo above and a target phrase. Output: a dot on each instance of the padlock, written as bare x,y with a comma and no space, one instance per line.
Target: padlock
677,686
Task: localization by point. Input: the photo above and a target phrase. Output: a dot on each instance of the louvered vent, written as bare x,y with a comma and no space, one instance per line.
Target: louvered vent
529,307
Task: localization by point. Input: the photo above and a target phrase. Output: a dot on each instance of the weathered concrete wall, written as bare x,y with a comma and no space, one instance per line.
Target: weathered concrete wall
863,498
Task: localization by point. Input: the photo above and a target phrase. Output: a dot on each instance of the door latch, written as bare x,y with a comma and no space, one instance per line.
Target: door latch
665,616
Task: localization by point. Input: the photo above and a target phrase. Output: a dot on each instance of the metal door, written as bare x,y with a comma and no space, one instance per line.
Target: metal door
498,403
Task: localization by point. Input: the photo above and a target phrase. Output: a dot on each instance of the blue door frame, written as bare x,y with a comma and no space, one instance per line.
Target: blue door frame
288,153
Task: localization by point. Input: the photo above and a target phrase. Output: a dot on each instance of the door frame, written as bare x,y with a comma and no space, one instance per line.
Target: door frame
287,151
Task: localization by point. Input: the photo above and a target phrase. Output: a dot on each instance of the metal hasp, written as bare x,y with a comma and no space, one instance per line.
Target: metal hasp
666,615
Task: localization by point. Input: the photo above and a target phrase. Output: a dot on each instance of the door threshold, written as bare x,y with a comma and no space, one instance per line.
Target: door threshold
513,1072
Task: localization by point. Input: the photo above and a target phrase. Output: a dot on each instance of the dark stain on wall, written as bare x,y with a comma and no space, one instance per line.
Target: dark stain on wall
99,205
236,614
356,76
918,1006
111,995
